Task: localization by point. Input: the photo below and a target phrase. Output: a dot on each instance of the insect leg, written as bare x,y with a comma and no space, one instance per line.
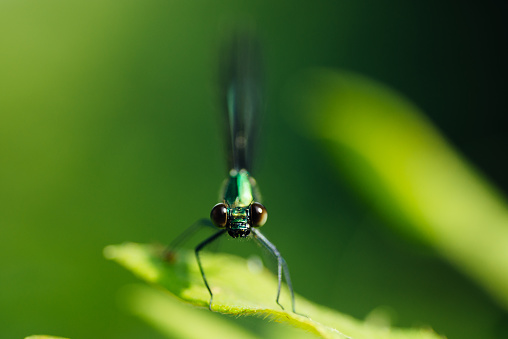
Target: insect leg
170,251
282,266
197,250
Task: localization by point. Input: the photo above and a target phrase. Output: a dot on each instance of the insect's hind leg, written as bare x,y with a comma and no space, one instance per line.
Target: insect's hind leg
197,250
170,250
281,266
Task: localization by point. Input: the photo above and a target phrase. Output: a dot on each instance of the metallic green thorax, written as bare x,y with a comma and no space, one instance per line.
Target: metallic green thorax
239,191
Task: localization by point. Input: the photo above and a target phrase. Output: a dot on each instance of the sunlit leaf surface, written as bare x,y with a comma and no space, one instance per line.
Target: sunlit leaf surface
239,290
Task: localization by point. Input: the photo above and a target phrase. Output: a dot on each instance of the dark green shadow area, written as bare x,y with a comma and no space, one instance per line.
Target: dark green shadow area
401,165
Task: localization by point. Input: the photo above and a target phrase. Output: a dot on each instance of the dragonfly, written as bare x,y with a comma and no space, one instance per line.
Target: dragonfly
240,213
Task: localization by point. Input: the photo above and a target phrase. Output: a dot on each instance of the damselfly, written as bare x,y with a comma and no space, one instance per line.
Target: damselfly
240,214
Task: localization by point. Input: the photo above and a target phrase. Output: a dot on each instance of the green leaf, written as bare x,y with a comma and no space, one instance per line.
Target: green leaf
400,163
240,290
177,319
43,337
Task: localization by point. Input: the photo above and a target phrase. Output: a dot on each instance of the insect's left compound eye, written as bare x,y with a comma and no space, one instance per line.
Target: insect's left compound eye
258,214
219,215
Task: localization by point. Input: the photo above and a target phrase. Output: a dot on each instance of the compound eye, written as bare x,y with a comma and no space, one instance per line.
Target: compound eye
258,214
219,215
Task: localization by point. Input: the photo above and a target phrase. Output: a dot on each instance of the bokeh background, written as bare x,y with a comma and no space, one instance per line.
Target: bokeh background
110,132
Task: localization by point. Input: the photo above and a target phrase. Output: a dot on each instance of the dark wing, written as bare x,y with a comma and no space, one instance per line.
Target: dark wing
241,95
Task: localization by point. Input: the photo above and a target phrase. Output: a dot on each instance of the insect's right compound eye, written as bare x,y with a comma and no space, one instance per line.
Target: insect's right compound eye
258,214
219,215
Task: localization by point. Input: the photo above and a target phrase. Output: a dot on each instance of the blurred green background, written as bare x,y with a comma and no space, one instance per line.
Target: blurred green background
110,132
